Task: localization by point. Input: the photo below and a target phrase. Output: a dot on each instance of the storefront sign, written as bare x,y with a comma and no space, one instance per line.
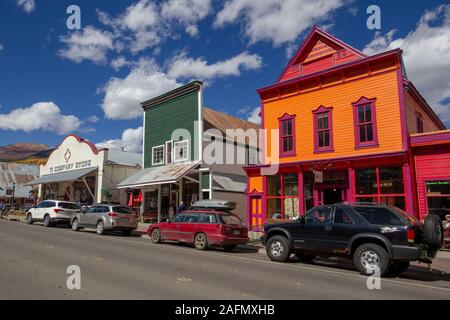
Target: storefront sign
71,166
318,176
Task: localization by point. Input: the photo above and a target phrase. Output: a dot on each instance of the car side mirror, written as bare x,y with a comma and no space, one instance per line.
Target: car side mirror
83,209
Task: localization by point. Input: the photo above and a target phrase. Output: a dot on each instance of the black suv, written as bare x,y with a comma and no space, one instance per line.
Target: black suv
373,235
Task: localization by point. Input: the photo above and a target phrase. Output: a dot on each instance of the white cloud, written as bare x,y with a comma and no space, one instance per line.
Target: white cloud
93,119
280,21
88,44
40,116
123,96
184,67
186,12
119,62
130,141
252,114
426,56
27,5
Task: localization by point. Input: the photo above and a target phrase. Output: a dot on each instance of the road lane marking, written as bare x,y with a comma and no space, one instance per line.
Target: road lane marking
285,265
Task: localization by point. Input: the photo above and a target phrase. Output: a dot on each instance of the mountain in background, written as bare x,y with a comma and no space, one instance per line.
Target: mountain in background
29,153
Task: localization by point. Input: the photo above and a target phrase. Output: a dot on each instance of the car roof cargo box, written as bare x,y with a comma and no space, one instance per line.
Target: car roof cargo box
213,204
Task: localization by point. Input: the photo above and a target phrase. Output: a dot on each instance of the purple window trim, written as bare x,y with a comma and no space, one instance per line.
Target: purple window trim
362,102
419,123
320,110
293,152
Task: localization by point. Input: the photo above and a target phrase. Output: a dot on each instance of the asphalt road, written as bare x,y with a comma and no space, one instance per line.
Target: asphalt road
34,260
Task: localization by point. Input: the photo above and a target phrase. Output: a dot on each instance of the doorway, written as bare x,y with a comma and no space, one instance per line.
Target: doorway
332,196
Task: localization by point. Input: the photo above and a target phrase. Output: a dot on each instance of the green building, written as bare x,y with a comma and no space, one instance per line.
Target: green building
180,135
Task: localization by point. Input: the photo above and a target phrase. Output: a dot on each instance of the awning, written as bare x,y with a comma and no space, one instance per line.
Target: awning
229,182
170,173
73,175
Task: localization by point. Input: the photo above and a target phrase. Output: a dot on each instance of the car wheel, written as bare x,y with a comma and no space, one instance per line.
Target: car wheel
29,219
305,258
156,236
433,232
100,228
200,241
278,249
398,268
47,222
230,247
75,225
369,257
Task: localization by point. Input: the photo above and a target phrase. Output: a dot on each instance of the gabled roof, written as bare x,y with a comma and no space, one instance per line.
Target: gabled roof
223,121
320,50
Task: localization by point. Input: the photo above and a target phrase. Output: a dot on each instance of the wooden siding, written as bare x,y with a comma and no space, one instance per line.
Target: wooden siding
431,163
412,108
163,119
382,86
255,183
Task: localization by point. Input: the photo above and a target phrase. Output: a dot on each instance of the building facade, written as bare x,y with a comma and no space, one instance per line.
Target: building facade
78,171
13,180
177,131
339,126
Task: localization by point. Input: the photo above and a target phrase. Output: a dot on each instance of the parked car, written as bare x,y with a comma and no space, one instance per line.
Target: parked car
373,235
106,217
52,212
202,228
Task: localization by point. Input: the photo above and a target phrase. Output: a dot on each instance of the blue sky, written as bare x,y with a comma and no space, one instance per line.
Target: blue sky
54,80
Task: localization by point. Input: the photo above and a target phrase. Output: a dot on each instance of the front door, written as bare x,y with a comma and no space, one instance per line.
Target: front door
256,213
332,195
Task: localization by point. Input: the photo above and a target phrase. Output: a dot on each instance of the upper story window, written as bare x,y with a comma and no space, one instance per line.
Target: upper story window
181,151
169,145
158,155
365,123
287,135
323,129
419,122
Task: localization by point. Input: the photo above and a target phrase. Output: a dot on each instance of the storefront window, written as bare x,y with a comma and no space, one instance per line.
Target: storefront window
290,183
273,185
366,181
282,196
391,180
438,197
383,184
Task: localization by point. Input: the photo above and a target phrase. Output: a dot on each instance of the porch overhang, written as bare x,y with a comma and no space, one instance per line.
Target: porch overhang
170,173
74,175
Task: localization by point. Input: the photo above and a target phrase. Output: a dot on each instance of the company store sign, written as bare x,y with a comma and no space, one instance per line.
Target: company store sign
71,166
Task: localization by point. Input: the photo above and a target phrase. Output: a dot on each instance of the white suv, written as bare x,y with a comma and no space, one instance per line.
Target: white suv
52,211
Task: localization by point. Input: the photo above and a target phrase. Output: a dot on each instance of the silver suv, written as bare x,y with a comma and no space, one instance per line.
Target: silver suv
105,217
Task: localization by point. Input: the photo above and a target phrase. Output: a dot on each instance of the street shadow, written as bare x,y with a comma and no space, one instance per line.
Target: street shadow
414,272
238,249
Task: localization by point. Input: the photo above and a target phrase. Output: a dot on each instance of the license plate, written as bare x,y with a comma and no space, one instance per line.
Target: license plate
236,232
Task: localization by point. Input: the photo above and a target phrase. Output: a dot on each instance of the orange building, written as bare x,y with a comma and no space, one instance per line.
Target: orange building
338,124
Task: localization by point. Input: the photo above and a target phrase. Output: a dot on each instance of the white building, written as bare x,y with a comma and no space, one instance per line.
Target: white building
79,171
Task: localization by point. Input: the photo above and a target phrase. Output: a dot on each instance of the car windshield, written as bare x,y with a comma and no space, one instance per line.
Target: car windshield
123,210
68,205
379,215
230,219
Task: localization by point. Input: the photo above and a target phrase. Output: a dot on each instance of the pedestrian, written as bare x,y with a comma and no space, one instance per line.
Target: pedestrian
181,207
